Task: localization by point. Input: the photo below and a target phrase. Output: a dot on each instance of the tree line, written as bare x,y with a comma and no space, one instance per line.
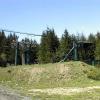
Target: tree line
51,49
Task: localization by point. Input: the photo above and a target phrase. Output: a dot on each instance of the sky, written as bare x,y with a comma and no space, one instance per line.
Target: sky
34,16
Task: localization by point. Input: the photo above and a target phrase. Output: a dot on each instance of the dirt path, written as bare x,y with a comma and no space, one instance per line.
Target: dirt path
7,94
64,91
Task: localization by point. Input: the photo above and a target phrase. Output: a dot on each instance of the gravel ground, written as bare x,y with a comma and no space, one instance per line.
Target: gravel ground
7,94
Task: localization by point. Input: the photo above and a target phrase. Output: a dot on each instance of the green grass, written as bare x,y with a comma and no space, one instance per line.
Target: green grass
69,74
47,75
93,95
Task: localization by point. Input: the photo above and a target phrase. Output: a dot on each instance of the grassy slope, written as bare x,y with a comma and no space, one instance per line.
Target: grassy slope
68,74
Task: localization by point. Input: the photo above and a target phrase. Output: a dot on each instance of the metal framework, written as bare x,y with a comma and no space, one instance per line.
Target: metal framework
74,48
16,41
81,46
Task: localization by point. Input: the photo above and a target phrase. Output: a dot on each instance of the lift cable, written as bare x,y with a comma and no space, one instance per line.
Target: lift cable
5,30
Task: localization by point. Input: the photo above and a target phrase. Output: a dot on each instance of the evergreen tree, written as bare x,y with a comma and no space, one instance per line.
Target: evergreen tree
2,42
3,49
65,44
82,38
28,51
97,51
10,50
34,48
91,38
48,47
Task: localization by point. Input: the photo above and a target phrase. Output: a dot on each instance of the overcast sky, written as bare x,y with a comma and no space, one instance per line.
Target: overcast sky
35,15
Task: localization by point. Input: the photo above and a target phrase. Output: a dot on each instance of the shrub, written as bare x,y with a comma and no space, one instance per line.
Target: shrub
98,65
3,62
93,73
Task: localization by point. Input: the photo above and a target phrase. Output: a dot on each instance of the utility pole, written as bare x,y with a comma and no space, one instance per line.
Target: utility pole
75,51
27,53
16,51
27,57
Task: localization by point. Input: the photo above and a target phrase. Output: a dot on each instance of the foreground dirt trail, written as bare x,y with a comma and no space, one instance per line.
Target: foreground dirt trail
7,94
63,91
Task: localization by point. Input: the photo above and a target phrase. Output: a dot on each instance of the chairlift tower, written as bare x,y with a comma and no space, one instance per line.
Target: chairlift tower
16,43
82,48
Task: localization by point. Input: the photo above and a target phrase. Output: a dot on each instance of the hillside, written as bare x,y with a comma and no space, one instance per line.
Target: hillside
47,75
42,76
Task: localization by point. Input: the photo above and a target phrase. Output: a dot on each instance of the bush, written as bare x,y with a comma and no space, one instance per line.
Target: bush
98,65
93,73
3,61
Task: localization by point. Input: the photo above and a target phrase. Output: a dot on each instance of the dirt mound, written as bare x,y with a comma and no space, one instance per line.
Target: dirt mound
54,72
57,74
